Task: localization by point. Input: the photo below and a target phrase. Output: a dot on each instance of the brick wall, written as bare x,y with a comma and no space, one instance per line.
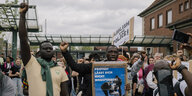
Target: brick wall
163,31
176,15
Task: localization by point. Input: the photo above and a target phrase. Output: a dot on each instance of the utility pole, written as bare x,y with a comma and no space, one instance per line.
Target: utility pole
45,26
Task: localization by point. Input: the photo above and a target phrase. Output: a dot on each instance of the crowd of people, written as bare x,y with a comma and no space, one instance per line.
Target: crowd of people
43,74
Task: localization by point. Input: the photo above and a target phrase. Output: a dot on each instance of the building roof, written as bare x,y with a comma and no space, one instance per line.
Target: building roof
182,23
154,6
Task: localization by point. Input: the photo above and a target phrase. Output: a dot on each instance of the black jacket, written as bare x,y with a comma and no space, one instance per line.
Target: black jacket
84,70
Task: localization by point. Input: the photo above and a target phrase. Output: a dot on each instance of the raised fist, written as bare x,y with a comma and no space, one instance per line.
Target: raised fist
23,8
143,55
64,46
176,65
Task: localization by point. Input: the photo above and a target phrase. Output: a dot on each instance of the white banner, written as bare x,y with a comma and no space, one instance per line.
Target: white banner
122,35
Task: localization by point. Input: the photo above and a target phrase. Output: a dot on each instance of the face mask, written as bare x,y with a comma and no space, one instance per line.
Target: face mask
165,84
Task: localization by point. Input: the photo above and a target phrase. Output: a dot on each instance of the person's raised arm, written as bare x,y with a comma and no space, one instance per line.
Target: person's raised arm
80,68
137,65
186,75
25,49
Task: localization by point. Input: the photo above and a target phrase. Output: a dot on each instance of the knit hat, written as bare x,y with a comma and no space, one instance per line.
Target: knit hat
122,58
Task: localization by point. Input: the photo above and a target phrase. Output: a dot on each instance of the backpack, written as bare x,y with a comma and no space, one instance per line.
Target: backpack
177,89
5,64
146,71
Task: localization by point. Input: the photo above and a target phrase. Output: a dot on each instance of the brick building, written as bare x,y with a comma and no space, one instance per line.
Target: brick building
162,16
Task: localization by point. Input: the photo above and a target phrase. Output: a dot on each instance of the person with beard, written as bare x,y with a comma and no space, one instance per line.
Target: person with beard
45,78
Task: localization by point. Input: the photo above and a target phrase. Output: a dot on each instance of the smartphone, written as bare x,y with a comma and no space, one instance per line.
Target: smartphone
180,36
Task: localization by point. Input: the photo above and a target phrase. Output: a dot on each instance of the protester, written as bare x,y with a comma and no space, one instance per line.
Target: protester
138,83
148,91
2,59
85,79
15,74
112,55
44,77
137,80
6,85
7,65
182,88
150,80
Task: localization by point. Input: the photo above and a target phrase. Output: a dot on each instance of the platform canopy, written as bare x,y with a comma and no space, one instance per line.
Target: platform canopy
9,18
100,40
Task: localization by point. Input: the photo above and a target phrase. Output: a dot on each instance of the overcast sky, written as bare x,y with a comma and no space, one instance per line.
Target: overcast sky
88,16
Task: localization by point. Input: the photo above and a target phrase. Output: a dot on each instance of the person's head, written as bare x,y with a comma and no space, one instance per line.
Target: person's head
8,59
185,58
158,56
164,75
62,62
112,53
18,61
169,57
46,50
179,53
32,53
54,58
134,58
161,64
151,60
94,57
2,55
122,58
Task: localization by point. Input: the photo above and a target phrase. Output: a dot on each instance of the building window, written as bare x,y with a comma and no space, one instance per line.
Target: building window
160,20
152,23
186,5
169,16
181,8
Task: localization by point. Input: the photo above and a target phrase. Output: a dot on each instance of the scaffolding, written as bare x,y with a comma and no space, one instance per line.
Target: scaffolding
9,22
